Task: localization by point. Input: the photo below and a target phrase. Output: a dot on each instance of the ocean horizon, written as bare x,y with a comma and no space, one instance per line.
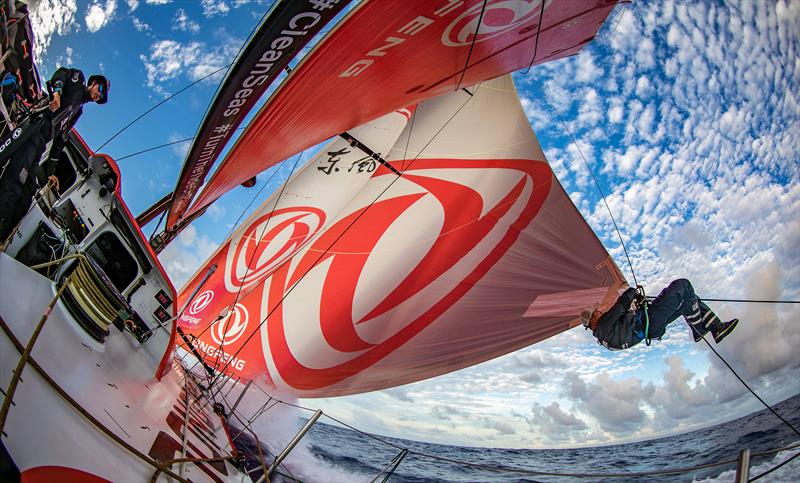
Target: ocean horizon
335,454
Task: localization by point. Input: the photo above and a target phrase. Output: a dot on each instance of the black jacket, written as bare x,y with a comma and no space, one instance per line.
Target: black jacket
72,86
618,328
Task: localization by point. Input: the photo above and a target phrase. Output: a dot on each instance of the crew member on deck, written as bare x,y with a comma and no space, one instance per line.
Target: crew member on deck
624,324
69,96
18,182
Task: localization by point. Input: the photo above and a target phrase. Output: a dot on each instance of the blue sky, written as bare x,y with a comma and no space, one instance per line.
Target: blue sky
688,115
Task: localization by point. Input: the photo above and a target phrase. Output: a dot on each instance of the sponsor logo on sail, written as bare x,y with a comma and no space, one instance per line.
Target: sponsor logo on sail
467,241
268,242
230,328
497,18
201,302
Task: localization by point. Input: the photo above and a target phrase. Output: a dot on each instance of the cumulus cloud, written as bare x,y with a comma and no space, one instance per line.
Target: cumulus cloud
183,22
169,59
185,254
139,25
215,7
97,15
617,406
51,17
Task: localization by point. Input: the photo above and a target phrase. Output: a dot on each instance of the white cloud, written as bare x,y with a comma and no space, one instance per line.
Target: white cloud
132,4
215,7
49,17
139,25
183,22
97,16
170,59
186,252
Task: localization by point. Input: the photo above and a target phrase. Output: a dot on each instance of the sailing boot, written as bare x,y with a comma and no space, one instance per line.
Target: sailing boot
702,320
721,330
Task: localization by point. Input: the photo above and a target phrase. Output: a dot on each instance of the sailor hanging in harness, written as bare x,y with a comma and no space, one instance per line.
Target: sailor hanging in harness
22,149
631,319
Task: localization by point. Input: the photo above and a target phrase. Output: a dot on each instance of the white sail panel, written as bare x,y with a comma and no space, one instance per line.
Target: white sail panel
434,270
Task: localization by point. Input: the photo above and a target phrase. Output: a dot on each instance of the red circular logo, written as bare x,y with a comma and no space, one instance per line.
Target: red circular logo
498,18
201,302
268,242
230,328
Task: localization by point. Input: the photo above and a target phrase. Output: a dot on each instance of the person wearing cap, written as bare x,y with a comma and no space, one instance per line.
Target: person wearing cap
69,94
22,175
630,320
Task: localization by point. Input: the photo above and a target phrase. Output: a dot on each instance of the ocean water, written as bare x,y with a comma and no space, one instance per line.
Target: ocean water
335,454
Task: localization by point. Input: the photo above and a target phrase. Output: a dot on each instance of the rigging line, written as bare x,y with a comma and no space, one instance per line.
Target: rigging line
193,83
163,146
347,228
408,139
748,387
249,262
235,225
160,103
153,148
749,301
538,32
472,45
155,229
773,468
596,183
619,19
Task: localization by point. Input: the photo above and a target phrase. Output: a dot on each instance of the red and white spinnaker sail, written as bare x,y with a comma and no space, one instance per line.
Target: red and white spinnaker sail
473,252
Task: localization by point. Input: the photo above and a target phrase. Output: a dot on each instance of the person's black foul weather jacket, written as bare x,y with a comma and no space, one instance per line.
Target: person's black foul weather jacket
619,328
72,85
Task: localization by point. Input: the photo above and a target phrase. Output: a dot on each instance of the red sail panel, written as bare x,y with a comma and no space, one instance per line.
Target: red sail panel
283,33
392,53
279,229
475,251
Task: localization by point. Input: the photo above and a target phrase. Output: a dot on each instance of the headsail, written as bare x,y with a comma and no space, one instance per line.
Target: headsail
475,251
289,220
285,30
388,54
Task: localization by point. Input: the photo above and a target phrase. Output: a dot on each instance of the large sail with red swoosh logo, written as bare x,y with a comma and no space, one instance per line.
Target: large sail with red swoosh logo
387,54
475,250
288,220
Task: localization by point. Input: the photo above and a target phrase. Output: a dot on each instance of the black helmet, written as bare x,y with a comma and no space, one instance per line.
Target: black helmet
104,84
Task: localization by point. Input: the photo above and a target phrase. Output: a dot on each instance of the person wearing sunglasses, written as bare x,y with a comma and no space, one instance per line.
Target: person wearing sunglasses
69,94
22,175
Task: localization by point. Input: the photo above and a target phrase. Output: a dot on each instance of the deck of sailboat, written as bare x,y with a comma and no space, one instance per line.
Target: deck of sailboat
115,385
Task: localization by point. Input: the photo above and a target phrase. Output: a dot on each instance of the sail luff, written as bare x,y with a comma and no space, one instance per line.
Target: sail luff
390,54
288,27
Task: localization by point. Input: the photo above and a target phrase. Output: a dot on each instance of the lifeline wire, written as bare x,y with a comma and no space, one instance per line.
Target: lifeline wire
773,468
596,183
325,252
545,473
